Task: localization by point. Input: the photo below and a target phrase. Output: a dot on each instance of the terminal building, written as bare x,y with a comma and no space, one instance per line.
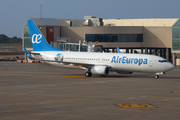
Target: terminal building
147,36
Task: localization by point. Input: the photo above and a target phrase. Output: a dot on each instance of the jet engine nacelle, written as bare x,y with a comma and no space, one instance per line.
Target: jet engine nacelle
100,70
59,57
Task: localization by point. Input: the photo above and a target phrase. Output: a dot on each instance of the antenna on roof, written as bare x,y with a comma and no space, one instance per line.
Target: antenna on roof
40,10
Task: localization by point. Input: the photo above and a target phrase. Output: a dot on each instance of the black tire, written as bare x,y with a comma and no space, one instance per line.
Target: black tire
157,76
88,74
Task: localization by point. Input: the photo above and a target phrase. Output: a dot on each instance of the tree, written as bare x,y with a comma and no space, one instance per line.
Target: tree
6,39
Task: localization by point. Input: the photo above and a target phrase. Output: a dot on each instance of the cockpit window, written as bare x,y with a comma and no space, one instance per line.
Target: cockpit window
161,61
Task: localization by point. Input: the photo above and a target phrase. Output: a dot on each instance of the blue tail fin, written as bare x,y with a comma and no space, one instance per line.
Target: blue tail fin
39,43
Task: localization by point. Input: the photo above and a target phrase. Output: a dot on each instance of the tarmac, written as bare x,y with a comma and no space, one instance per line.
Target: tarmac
45,92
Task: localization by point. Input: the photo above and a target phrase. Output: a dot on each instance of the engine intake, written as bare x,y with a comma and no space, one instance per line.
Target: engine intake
59,57
100,70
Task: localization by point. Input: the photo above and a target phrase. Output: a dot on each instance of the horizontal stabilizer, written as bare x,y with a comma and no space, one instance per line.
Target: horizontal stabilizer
27,53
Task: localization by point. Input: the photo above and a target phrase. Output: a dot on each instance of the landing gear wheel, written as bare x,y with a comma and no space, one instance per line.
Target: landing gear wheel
157,76
88,74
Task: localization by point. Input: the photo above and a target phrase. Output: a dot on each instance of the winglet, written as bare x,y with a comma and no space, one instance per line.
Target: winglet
27,53
118,51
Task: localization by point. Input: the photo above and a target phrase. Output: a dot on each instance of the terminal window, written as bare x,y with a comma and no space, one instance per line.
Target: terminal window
176,36
114,37
27,37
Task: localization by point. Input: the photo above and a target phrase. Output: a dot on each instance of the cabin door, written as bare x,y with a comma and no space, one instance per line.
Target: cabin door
151,62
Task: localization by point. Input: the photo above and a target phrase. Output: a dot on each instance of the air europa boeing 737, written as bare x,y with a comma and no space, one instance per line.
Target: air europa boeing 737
93,62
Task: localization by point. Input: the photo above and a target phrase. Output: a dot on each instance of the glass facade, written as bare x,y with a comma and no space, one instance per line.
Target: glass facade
114,37
72,47
27,37
176,36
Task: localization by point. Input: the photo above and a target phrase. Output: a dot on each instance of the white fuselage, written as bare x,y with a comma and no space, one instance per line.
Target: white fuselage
117,61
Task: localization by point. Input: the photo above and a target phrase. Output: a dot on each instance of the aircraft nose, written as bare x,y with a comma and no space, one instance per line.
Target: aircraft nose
170,66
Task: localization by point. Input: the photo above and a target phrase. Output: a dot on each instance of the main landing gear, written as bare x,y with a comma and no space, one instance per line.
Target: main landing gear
88,74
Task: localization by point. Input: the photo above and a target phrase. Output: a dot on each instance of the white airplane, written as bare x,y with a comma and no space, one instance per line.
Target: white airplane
93,62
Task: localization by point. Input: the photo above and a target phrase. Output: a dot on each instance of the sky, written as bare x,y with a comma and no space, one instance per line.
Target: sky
14,13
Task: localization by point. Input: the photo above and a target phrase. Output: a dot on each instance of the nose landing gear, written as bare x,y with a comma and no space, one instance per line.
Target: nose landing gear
157,74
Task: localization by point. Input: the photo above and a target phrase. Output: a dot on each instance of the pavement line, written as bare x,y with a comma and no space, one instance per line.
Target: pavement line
176,91
135,105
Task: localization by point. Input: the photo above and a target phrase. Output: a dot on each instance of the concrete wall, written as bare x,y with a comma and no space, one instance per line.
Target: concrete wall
122,44
113,30
74,33
56,33
157,37
43,31
139,22
66,22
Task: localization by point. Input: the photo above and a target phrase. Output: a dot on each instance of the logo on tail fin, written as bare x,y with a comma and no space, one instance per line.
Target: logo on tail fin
36,38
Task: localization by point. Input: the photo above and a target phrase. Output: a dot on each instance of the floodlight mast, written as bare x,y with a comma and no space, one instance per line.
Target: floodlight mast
40,10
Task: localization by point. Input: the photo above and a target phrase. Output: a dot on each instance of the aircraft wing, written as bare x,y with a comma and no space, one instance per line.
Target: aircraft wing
80,64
